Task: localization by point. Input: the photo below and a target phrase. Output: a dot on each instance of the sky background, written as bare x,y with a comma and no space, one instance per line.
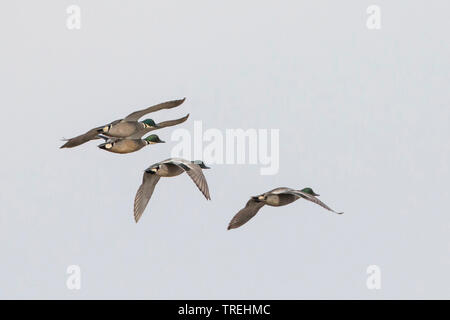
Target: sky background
363,118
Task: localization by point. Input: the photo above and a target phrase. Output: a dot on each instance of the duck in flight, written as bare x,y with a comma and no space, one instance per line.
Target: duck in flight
129,126
276,198
135,142
118,145
168,168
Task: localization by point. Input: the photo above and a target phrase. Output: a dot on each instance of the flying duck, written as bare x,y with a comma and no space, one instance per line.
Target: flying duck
168,168
276,198
118,145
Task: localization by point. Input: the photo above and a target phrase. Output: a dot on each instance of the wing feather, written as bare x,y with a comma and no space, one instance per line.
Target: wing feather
85,137
249,211
165,105
144,194
195,173
169,123
311,198
82,138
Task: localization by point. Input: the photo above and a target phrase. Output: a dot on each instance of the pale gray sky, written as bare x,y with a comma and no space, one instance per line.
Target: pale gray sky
363,118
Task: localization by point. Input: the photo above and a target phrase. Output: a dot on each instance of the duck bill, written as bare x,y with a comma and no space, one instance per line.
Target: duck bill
102,146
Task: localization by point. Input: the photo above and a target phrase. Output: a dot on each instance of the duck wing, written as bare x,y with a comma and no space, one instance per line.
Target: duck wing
82,138
144,194
88,136
311,198
249,211
169,123
195,172
165,105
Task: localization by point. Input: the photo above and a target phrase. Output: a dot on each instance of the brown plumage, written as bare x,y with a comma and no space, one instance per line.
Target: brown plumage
123,128
276,198
168,168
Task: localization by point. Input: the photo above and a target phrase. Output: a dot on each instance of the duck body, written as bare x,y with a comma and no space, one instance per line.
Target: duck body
276,197
279,200
168,170
123,145
127,145
124,129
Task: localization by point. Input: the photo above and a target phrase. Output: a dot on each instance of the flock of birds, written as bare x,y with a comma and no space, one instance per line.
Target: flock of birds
125,136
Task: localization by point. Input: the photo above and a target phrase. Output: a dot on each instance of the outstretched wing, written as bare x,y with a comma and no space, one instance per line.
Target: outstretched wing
165,105
160,125
251,209
195,172
82,138
144,194
88,136
311,198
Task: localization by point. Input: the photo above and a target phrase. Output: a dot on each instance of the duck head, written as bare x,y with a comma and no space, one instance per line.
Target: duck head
150,123
310,191
201,164
153,138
